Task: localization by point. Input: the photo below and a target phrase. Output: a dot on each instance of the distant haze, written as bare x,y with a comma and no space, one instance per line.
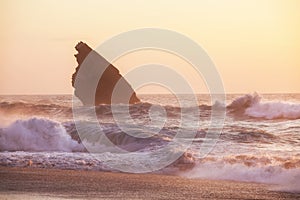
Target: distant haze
254,44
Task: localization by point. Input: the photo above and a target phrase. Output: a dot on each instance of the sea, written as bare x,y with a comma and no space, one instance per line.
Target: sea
258,142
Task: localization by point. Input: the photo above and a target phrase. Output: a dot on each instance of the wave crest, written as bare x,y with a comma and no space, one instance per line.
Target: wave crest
284,172
252,106
37,134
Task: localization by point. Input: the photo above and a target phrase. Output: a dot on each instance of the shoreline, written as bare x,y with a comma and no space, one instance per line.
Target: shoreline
37,183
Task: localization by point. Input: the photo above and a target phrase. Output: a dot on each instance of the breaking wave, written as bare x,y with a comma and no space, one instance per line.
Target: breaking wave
283,172
41,134
37,134
253,106
249,105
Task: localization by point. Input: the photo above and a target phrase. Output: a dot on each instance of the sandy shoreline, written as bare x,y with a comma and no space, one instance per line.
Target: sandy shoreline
33,183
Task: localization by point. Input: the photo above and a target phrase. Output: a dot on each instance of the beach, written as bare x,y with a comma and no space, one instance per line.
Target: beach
35,183
150,100
43,156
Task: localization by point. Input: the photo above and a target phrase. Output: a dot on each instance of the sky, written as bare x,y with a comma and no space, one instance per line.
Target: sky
254,44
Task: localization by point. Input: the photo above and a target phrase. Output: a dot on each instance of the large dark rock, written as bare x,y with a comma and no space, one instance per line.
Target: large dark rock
106,83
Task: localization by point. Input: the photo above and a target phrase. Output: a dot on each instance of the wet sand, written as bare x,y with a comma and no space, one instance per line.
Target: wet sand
33,183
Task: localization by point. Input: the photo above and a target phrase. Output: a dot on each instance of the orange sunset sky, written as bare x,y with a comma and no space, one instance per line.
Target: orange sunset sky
254,44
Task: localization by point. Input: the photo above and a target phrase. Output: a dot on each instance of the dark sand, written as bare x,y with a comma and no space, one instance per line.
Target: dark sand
33,183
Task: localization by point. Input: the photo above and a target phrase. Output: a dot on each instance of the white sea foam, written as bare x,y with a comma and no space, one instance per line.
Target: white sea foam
253,106
274,110
283,179
37,134
41,142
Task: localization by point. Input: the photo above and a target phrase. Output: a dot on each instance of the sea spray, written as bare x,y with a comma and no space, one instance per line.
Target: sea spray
37,134
260,140
281,178
253,106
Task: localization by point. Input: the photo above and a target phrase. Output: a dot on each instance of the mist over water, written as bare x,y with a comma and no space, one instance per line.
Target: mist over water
260,141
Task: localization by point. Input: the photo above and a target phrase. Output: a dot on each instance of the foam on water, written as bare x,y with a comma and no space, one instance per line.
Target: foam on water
274,110
37,134
249,105
283,179
254,145
253,106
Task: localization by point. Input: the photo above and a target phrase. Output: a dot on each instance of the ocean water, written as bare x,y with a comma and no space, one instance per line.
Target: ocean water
260,140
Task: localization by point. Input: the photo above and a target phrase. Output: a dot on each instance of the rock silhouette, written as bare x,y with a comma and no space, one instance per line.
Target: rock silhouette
95,83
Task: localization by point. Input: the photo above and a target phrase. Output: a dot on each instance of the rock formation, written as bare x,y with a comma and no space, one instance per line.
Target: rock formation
109,77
